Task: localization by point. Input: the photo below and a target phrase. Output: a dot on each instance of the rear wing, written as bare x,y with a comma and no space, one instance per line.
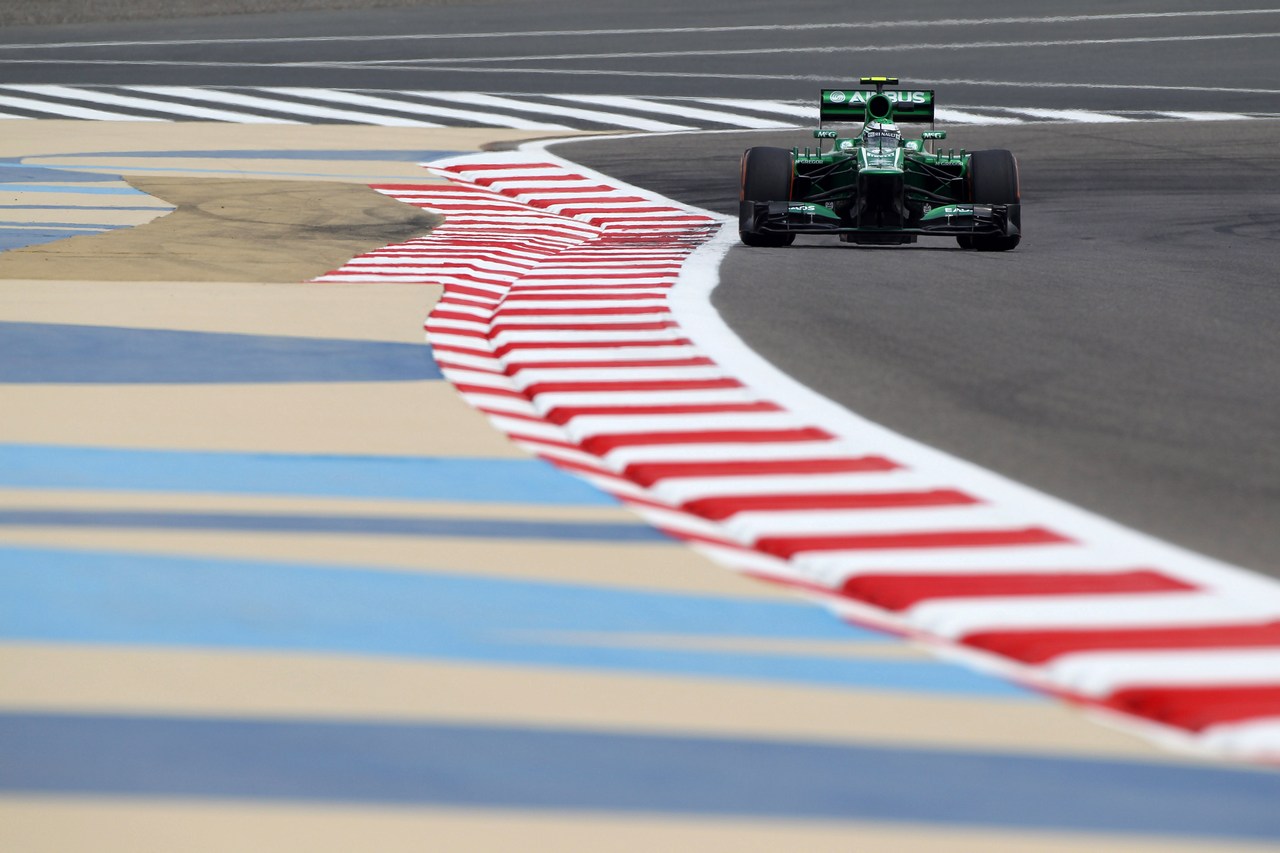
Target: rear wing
863,105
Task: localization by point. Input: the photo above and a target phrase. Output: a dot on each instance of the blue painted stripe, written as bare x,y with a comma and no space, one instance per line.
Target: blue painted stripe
66,226
48,595
532,481
480,528
19,171
19,238
53,352
508,767
60,188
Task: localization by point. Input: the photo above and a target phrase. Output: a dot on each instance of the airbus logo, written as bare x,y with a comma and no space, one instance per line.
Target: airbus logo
895,97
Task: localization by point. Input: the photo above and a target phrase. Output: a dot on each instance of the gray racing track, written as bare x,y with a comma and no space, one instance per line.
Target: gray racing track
1126,357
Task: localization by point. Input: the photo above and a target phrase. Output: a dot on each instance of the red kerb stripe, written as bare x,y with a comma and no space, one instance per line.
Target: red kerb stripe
494,167
638,385
601,444
585,295
648,473
1040,646
727,506
654,326
787,546
563,414
898,592
582,312
513,369
1197,708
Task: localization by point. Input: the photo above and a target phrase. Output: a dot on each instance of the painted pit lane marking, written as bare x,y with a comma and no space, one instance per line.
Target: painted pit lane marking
437,108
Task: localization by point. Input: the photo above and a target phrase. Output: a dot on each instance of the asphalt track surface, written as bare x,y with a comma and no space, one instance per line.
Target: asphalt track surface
1123,358
1181,55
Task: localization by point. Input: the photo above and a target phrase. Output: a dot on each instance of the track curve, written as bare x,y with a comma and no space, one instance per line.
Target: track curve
1124,358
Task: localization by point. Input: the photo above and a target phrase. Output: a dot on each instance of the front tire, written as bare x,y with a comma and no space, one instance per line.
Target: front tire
766,176
993,179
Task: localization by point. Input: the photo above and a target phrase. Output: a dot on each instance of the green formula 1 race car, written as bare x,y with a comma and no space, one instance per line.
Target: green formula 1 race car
876,187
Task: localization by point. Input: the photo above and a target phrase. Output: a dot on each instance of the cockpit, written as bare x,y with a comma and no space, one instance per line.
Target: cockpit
882,138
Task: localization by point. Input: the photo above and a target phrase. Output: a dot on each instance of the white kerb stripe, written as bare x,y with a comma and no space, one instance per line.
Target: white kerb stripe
589,425
725,451
1187,609
681,489
68,110
599,116
1250,737
188,110
805,111
313,111
1069,115
356,99
1100,673
960,117
856,522
547,402
641,105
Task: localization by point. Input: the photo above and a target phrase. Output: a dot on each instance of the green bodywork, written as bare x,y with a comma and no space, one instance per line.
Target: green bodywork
870,186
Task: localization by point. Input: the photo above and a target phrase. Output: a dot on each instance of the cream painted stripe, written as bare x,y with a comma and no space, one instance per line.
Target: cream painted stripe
72,200
392,312
412,418
209,502
126,825
644,566
123,679
77,217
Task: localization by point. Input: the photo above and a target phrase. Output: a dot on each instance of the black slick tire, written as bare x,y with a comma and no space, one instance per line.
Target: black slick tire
993,179
766,176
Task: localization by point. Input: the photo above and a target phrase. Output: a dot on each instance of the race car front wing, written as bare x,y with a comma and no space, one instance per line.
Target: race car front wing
956,220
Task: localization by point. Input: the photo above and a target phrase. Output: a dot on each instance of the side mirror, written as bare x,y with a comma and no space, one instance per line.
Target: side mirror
934,134
825,134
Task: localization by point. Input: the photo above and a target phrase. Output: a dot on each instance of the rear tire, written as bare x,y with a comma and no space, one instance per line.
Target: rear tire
993,179
766,176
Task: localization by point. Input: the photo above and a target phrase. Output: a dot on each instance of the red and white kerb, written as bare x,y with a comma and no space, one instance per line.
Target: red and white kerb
556,322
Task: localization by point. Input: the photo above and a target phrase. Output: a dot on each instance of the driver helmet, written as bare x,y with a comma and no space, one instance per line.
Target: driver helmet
881,134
